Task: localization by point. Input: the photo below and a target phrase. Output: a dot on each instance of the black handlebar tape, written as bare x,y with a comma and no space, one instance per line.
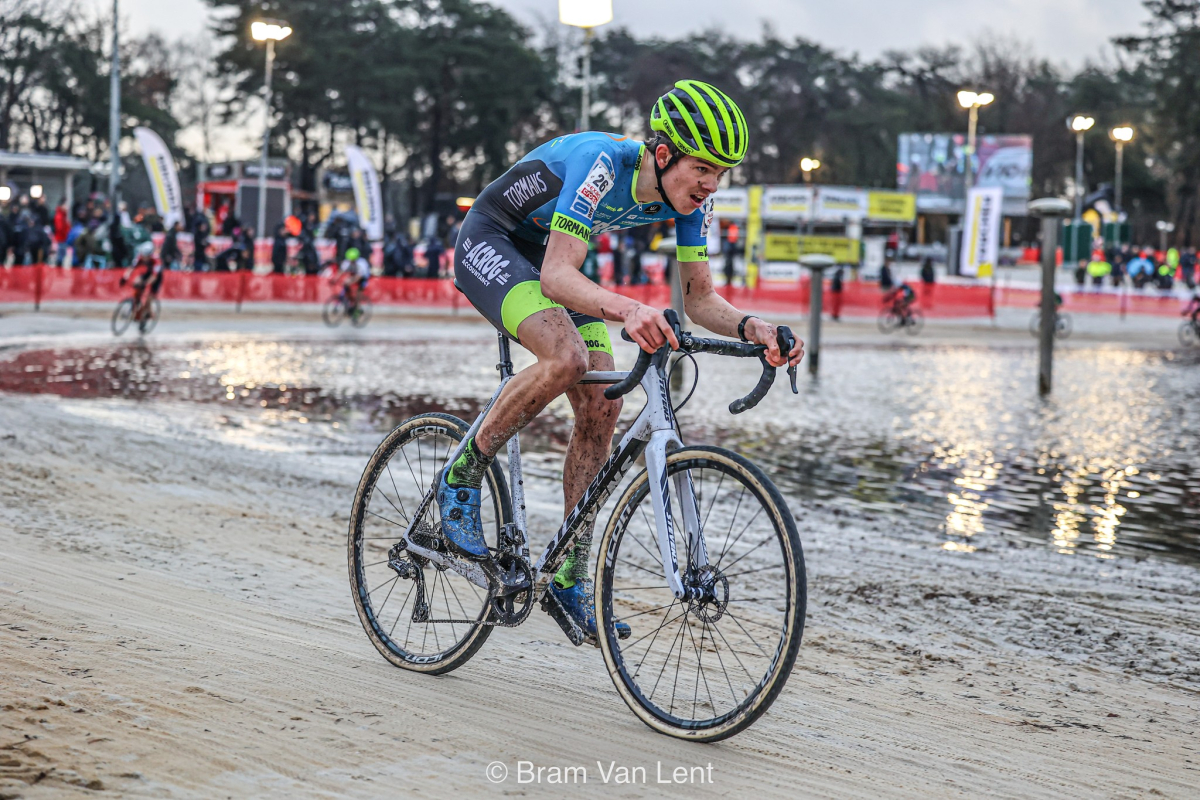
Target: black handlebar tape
759,392
632,379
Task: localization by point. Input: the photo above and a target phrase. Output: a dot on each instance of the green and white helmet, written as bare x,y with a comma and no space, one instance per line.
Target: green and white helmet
701,121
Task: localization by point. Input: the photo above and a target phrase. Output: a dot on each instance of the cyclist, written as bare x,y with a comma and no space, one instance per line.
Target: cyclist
901,300
1193,310
354,274
149,273
518,259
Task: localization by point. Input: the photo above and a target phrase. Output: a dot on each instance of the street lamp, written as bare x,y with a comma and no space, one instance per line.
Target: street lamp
269,31
1079,124
808,166
1164,228
1121,135
972,101
586,14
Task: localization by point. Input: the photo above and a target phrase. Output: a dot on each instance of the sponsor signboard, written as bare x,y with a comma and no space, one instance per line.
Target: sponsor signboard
732,203
933,167
787,203
368,200
841,204
164,181
981,231
898,207
789,247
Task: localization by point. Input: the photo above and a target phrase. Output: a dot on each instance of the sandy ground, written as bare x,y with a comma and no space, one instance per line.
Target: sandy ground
175,621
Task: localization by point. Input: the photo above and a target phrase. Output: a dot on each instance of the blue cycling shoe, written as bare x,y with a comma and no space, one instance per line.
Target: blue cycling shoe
460,519
579,603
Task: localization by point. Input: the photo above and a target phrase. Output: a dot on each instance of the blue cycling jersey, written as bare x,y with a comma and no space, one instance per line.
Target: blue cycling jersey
583,184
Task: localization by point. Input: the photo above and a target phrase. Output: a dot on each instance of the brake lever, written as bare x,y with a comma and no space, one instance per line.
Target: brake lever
786,341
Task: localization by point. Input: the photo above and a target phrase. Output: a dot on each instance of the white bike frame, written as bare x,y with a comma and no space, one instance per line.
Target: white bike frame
653,432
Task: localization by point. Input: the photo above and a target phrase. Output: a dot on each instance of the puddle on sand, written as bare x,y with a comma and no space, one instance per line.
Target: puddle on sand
955,436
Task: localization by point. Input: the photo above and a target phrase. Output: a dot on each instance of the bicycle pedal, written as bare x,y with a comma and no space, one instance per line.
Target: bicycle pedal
554,608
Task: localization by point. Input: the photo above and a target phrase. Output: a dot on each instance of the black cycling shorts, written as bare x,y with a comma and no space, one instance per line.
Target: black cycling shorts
501,275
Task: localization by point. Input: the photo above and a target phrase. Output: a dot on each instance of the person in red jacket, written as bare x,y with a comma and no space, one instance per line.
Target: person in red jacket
62,228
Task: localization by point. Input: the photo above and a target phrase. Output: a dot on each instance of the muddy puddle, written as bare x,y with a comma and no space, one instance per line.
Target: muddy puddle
953,440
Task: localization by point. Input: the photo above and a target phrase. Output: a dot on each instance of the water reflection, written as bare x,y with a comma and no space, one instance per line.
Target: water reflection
949,439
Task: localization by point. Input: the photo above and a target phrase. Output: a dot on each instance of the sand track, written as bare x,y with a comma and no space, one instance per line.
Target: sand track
175,621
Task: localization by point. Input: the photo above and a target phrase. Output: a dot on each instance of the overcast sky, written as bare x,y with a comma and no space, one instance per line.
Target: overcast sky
1069,31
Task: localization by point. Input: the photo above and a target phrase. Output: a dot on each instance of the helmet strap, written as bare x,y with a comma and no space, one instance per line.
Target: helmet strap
658,175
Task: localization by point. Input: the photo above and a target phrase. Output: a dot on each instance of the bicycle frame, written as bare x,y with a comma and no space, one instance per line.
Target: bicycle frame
653,433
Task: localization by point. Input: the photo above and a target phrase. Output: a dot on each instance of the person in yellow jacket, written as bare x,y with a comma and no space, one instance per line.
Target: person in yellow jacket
1098,269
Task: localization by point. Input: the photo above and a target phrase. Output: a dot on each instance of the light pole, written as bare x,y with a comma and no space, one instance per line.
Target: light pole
269,31
586,14
114,117
1120,136
1079,124
1052,210
972,101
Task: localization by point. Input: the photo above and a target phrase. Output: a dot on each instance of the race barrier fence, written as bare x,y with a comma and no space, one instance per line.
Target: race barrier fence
41,283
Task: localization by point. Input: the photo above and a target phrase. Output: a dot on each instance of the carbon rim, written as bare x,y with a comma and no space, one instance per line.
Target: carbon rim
704,669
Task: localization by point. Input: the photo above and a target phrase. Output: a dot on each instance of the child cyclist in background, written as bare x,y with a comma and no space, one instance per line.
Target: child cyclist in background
354,274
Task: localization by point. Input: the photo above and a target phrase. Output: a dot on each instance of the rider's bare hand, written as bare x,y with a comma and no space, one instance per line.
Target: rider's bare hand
648,327
764,333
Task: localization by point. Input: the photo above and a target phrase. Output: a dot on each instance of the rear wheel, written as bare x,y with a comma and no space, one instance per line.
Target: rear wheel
333,312
397,477
915,322
889,320
1189,335
122,316
706,668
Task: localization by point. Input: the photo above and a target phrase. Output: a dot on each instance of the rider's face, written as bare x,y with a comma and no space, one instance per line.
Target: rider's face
689,183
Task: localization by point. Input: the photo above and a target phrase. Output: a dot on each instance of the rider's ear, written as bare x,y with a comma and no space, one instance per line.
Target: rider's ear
662,154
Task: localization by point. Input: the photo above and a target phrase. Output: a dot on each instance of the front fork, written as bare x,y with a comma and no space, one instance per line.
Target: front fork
660,500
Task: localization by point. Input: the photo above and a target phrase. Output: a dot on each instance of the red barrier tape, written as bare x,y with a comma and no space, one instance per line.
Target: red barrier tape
37,284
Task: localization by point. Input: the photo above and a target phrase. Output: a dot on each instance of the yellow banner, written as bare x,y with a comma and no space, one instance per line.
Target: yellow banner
891,206
789,247
753,233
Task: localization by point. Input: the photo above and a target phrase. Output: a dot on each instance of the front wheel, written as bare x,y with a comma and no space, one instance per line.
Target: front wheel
122,316
1062,326
333,311
387,585
707,667
1189,334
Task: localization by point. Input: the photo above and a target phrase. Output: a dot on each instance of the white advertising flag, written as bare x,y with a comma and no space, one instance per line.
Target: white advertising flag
164,181
367,198
981,231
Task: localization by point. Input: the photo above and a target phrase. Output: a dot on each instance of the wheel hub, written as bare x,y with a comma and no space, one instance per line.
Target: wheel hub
709,593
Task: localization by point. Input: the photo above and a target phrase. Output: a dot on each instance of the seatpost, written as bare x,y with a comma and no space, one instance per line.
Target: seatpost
505,366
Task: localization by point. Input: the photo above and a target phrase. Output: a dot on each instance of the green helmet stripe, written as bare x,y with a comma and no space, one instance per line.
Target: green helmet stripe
695,141
716,101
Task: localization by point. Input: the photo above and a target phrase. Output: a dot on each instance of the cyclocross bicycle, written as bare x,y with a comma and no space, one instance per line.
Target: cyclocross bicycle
700,557
1189,331
901,315
136,309
1062,325
340,307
